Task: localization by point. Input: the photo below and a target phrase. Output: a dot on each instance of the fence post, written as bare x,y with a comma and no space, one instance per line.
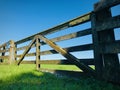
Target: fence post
97,56
110,61
37,52
12,52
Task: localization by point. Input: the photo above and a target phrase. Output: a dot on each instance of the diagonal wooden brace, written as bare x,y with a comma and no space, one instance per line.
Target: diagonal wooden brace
67,55
26,51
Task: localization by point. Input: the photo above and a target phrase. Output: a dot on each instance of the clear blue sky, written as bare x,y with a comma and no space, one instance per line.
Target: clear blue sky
22,18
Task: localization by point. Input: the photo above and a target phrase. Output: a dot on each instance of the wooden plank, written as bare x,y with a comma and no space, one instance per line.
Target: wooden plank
80,20
24,47
27,55
28,62
97,56
11,52
111,62
71,36
26,51
5,44
68,49
59,62
105,48
57,28
4,57
108,48
67,55
106,4
4,63
2,54
3,51
37,52
109,23
66,62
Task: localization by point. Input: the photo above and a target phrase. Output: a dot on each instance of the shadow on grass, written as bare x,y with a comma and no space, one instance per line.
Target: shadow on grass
46,81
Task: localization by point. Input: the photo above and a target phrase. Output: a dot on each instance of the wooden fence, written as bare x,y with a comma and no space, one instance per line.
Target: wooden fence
104,46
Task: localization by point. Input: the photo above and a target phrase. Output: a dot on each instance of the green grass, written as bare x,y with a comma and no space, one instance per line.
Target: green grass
25,77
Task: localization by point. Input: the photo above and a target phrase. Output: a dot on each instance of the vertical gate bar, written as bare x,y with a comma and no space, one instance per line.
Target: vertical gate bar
37,52
15,53
97,56
2,54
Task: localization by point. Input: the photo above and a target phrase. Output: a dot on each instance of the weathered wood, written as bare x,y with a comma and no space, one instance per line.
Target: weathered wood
5,44
15,53
111,61
11,52
108,48
3,51
37,52
80,20
4,57
57,28
59,62
26,51
4,63
66,62
65,37
97,56
68,49
67,55
71,36
108,23
24,47
28,62
113,47
2,54
106,4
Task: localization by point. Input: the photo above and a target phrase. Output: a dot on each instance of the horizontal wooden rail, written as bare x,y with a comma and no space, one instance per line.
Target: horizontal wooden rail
71,36
59,62
113,47
4,63
68,49
65,37
5,44
109,23
66,62
4,57
28,62
24,47
3,51
71,23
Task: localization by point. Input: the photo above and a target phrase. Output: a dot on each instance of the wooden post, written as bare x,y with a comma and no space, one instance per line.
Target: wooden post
110,61
97,56
37,52
11,52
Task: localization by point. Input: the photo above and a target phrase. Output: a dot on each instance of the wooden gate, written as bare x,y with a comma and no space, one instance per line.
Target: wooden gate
105,47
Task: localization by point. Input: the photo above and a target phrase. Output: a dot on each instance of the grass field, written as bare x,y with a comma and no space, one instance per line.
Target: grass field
25,77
